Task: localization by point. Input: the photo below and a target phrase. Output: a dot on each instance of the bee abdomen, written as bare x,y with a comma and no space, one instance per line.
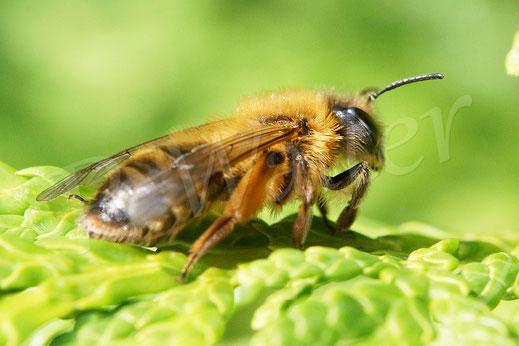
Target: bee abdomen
128,233
116,213
108,219
145,166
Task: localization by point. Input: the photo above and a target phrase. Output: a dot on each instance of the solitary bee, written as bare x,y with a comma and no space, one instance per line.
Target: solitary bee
275,148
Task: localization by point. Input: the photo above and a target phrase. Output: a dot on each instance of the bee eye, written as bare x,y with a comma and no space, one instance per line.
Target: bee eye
351,114
356,120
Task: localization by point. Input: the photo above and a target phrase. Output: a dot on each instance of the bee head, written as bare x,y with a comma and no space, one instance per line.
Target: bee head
361,133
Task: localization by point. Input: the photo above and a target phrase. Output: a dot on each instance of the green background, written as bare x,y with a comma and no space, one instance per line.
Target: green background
82,80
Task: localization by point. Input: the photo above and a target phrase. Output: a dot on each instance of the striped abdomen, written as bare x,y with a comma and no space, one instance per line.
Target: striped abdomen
133,204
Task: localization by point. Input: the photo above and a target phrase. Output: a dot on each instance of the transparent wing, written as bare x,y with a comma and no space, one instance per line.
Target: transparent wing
190,174
222,155
95,171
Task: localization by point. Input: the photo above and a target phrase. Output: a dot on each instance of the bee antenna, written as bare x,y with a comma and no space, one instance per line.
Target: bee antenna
405,81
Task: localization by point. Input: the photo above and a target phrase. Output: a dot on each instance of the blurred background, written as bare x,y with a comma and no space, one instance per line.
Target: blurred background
85,79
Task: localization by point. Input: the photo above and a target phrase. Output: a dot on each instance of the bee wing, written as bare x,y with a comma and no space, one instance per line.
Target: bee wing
95,171
191,172
221,155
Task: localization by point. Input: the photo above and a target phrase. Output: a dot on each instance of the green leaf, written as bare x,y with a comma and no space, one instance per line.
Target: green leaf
406,285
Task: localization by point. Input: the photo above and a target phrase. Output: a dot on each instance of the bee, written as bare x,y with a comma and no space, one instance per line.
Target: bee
275,148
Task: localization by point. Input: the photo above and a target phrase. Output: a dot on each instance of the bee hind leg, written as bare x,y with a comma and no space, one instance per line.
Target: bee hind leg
358,175
78,197
216,232
245,202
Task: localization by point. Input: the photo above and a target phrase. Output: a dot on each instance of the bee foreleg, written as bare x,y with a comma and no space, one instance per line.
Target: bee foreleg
306,190
346,178
245,202
358,175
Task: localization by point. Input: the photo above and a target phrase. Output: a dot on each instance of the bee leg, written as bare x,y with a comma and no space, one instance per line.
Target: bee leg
345,178
245,202
358,174
321,204
348,215
307,191
216,232
78,197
